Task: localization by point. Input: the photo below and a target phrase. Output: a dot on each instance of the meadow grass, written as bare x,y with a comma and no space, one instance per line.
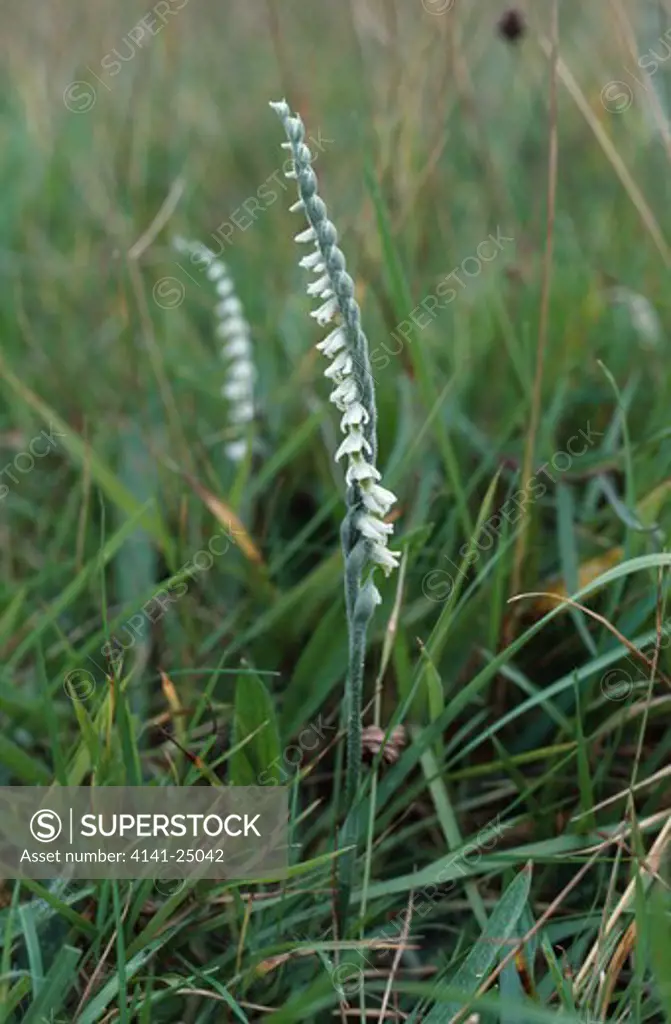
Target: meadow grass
167,615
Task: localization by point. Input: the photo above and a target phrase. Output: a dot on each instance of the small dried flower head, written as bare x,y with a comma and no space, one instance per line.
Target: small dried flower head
512,26
372,739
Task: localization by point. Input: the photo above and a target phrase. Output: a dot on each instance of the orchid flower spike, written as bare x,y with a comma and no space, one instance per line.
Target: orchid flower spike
232,328
346,347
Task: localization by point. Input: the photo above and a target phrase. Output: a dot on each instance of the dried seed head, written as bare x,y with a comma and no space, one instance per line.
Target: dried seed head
512,25
372,739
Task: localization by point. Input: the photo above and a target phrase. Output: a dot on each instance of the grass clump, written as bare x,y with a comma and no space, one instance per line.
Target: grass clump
473,735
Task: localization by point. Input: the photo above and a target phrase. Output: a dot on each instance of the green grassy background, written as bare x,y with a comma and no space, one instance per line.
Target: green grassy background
435,135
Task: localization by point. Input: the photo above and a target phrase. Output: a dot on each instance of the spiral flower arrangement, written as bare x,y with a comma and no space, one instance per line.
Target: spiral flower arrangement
232,328
347,348
364,532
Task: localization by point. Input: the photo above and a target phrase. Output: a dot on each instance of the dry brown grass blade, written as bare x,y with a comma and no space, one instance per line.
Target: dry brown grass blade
170,694
614,158
587,572
405,931
243,933
175,706
228,519
655,777
624,948
634,51
648,662
552,907
165,212
649,867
